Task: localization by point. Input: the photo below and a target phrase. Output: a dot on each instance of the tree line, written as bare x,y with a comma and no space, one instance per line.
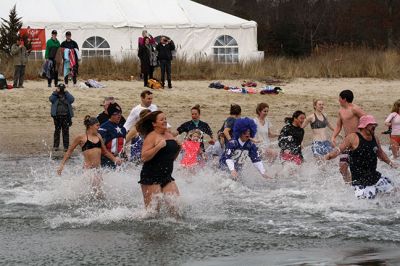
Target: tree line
299,27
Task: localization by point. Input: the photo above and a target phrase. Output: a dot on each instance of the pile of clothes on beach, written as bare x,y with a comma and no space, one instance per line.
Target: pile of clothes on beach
247,87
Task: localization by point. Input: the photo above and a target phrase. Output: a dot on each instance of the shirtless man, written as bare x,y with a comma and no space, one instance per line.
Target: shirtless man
349,116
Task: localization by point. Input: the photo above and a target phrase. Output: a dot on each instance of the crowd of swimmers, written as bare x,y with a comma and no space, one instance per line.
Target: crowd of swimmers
148,140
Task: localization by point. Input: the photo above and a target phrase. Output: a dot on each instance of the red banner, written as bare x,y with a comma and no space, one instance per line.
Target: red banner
36,36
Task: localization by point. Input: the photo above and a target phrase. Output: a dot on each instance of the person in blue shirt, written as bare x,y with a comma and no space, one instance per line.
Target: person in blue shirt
240,147
113,135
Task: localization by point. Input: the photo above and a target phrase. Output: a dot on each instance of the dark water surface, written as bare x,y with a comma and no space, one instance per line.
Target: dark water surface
303,217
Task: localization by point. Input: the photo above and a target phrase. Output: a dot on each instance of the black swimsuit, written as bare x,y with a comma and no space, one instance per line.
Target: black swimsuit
363,161
158,170
90,145
318,123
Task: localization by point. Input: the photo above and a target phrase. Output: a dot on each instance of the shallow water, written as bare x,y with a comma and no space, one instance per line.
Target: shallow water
305,216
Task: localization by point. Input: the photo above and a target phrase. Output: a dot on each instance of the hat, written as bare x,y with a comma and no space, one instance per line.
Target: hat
53,32
61,86
113,109
68,33
366,120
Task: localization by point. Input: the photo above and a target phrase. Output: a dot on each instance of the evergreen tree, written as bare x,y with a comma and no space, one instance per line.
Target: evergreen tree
9,31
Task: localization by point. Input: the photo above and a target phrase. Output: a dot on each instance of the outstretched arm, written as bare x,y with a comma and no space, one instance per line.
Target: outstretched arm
75,143
337,130
383,156
347,143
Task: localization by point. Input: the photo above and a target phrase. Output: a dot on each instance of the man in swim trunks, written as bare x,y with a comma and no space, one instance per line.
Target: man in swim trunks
348,118
364,150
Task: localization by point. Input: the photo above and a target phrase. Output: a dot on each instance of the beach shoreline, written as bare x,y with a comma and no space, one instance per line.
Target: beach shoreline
27,127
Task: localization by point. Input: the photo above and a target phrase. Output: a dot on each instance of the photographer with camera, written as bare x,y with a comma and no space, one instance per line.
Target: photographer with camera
62,113
164,49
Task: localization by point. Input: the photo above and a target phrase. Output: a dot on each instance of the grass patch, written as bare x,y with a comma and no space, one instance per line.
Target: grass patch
338,62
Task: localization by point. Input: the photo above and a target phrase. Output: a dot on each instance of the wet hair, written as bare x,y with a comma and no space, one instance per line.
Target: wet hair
242,125
196,107
235,109
89,121
347,95
260,107
315,101
396,106
289,120
144,93
145,125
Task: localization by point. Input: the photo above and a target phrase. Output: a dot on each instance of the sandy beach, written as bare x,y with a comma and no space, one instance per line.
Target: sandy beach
27,127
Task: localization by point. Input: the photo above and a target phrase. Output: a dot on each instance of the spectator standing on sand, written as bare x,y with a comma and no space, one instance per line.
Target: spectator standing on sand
348,119
20,56
62,113
164,49
145,55
71,65
52,46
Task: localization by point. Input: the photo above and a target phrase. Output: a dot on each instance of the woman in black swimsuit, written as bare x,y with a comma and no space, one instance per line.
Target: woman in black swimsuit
159,151
92,147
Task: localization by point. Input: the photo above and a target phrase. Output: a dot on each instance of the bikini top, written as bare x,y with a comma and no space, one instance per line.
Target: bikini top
318,123
90,145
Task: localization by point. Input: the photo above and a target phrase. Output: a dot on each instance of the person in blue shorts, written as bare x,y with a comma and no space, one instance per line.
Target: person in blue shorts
319,123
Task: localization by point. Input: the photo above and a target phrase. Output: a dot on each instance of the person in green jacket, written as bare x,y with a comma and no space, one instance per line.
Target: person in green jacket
52,46
20,56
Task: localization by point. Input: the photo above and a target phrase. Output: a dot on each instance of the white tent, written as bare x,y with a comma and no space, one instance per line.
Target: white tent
112,27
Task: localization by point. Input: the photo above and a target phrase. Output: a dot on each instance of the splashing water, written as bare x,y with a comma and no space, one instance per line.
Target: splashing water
302,207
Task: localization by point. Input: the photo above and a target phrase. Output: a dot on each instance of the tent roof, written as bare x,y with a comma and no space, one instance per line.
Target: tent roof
122,13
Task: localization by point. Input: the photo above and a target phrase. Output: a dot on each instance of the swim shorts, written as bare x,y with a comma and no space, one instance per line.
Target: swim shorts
288,157
321,148
384,185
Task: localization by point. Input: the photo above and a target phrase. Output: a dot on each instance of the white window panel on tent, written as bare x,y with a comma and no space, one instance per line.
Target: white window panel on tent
226,50
96,46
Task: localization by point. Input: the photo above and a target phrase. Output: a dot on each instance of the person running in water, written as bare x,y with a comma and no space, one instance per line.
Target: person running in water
193,154
264,133
92,147
159,152
348,118
240,147
364,150
291,138
321,144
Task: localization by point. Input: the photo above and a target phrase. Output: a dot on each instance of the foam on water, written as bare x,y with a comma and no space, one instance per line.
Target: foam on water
305,201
